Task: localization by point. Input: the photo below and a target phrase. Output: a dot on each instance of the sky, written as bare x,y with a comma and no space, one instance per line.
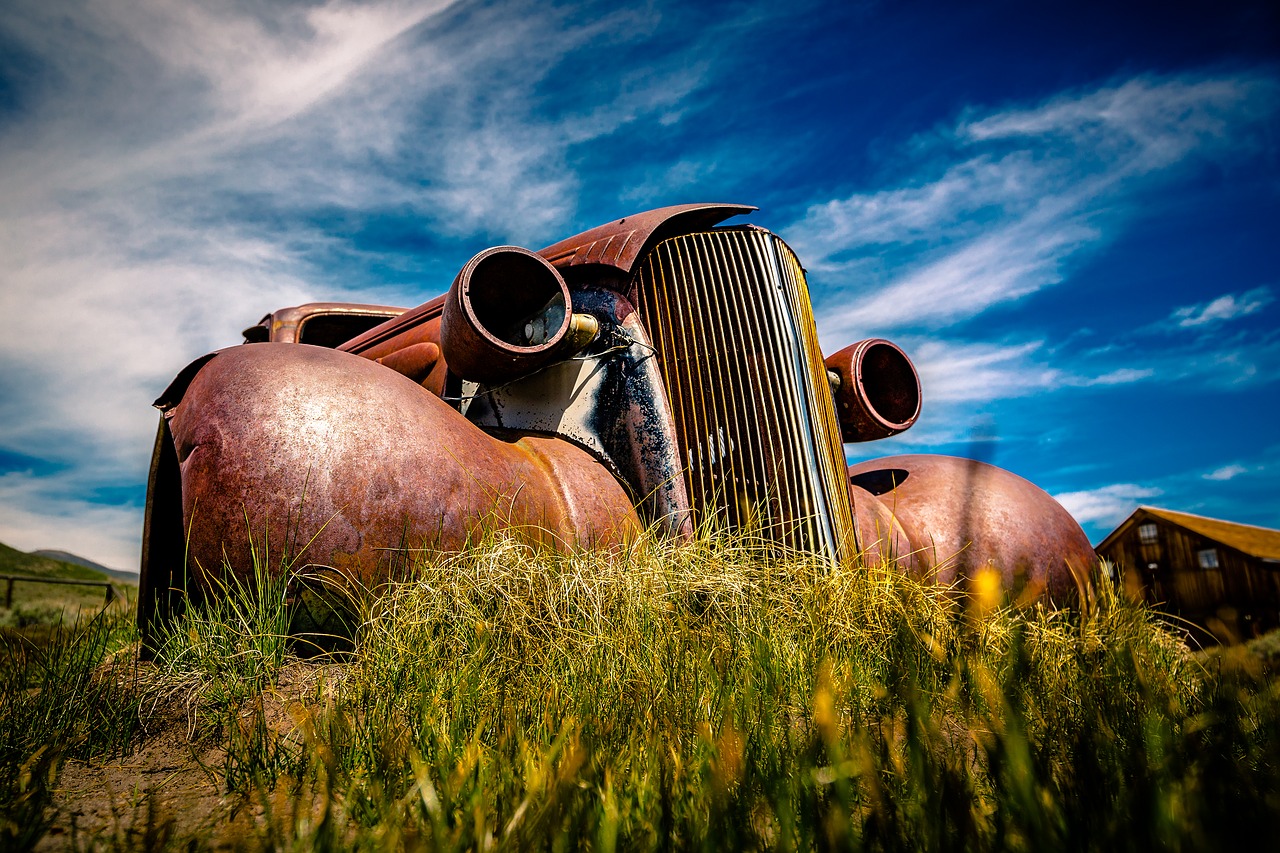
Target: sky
1068,214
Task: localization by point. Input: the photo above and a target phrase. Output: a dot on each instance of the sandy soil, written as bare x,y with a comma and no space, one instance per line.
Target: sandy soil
169,791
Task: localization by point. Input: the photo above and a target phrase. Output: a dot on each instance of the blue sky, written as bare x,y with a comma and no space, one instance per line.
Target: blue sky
1068,215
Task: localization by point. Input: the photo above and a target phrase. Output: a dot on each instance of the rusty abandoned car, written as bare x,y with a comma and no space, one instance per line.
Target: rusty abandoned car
657,371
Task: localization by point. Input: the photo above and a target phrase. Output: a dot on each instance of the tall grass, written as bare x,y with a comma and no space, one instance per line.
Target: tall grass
66,690
718,695
714,694
221,657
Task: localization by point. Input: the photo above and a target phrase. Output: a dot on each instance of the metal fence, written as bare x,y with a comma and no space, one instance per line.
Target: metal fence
111,593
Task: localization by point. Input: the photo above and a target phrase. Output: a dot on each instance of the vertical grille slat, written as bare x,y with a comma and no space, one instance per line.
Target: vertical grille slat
784,357
823,413
701,423
778,472
729,315
799,508
721,417
747,413
756,416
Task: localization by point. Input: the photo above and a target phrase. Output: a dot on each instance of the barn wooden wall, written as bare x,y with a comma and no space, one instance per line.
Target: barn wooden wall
1241,586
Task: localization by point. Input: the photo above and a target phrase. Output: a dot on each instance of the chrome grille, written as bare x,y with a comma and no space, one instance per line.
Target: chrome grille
729,315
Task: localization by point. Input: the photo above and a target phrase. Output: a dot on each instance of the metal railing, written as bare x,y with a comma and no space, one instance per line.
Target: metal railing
111,593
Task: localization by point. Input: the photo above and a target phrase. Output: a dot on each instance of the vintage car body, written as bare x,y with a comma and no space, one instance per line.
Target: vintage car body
661,370
325,324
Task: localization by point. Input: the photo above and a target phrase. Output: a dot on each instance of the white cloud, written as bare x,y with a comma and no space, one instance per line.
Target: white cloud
961,379
953,371
96,329
163,89
1210,361
944,209
1119,376
1002,205
1003,264
1226,307
52,512
1108,505
1141,125
980,224
262,67
422,107
1226,472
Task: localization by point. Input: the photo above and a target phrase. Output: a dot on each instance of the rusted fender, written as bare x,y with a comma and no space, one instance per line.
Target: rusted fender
335,460
947,518
619,244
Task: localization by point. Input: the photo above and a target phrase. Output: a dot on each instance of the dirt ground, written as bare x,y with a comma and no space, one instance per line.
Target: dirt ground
168,792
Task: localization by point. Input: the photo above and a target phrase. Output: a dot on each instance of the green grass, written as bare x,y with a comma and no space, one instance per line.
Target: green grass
717,696
66,690
222,657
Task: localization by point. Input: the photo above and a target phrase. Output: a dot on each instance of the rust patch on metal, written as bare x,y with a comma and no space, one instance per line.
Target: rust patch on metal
287,325
317,457
415,361
961,516
415,327
619,244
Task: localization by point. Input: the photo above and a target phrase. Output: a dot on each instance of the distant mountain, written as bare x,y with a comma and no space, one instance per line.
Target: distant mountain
15,562
44,564
65,556
76,560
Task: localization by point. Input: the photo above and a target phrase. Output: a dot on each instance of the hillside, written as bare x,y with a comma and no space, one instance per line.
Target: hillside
76,559
44,603
15,562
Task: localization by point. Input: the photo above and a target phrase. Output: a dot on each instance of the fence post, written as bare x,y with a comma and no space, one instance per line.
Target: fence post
8,595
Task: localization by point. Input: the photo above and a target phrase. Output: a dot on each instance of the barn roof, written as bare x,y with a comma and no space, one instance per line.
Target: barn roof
1261,542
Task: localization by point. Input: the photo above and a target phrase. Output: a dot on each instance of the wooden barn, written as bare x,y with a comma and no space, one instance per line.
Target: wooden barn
1222,576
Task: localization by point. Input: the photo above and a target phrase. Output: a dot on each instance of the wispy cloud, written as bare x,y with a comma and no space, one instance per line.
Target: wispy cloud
1226,472
1232,491
1015,196
1209,357
954,371
1229,306
1005,203
164,89
965,382
1006,262
1142,125
1107,505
